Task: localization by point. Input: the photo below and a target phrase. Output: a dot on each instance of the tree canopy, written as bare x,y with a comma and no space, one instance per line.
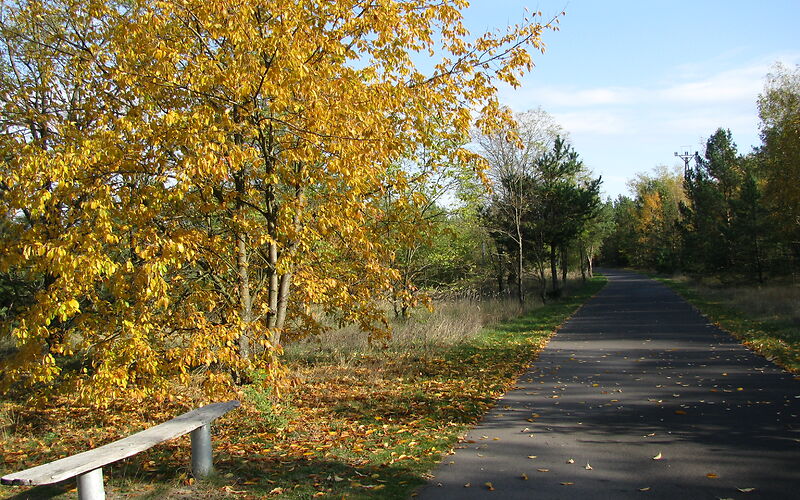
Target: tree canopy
183,181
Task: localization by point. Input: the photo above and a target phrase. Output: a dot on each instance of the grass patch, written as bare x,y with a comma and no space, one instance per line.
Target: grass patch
766,319
373,427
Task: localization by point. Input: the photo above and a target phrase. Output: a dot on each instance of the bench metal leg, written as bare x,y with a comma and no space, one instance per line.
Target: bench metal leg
202,463
90,485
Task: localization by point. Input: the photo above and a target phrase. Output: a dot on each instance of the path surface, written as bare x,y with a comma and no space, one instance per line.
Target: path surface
636,373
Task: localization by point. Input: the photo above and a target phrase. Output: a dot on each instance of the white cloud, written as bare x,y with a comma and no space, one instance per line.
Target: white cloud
594,122
586,97
733,85
740,84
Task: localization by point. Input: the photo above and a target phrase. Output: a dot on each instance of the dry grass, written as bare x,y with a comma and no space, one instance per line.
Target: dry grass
775,303
766,318
771,302
451,322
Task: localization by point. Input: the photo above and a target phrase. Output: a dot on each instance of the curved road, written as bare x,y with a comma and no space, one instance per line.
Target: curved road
637,374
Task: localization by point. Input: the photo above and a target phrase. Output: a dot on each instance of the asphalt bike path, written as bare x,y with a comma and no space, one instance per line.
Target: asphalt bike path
637,396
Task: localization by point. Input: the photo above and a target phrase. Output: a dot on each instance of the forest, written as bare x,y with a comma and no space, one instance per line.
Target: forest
725,212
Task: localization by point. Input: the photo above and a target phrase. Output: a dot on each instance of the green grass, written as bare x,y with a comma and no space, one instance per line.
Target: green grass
758,322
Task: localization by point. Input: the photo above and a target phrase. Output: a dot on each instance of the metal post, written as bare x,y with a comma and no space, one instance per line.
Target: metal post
90,485
202,464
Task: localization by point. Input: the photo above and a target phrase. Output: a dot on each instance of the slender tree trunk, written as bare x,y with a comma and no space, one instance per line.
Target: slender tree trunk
564,264
542,279
582,257
245,300
554,271
280,284
242,259
589,263
520,291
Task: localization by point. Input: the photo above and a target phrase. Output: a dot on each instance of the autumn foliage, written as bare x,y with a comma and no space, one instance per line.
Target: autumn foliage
185,183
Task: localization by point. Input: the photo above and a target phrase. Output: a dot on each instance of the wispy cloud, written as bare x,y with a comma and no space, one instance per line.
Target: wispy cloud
726,86
602,122
733,85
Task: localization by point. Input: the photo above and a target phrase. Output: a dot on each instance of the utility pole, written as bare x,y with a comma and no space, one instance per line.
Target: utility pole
686,157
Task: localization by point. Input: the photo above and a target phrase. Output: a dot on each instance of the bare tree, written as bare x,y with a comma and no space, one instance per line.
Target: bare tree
512,156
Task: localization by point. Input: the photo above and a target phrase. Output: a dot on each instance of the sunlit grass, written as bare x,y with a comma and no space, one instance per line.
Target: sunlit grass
765,318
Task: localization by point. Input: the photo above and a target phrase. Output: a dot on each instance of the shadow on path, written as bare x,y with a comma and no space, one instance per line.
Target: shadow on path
637,373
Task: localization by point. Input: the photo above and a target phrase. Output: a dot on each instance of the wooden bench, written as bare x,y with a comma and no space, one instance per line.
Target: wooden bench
88,466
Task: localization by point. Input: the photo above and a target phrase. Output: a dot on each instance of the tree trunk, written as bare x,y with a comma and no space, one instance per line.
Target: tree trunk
554,271
564,263
583,263
245,300
542,280
520,291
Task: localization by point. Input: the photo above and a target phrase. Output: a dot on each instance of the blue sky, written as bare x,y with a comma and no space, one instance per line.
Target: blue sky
634,81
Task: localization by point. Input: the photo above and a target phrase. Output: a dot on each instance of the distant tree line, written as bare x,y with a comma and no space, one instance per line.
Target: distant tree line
727,213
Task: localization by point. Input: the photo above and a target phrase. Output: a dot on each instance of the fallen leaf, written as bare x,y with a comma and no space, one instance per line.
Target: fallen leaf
489,486
567,483
543,470
467,485
680,412
658,456
646,488
588,467
571,461
746,490
524,476
711,475
531,456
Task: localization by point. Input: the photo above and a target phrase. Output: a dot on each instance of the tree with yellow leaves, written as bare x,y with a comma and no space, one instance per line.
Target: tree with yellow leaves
183,180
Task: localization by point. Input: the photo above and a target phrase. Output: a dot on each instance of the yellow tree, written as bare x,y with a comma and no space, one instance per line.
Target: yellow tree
184,179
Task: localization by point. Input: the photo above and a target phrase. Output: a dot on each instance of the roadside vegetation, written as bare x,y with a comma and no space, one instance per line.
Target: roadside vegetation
765,318
729,225
358,421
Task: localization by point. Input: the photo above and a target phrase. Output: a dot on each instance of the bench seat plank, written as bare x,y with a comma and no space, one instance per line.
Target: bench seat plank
81,463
